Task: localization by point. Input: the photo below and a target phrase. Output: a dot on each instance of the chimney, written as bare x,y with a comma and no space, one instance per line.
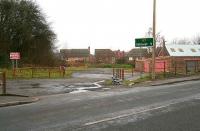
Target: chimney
89,49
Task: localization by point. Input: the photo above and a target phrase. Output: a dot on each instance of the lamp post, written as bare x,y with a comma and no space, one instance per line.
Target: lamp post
154,39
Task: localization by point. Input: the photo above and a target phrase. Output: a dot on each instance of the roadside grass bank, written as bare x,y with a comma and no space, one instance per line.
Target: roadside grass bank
147,78
159,76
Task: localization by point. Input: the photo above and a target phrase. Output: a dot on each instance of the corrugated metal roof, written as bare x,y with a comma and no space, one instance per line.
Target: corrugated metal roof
183,50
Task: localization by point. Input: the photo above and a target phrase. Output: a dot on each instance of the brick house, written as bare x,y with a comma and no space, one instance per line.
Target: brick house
105,56
75,56
137,53
120,57
119,54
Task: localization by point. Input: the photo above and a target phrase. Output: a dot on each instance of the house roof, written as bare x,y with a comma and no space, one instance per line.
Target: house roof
70,53
138,52
104,52
160,51
183,50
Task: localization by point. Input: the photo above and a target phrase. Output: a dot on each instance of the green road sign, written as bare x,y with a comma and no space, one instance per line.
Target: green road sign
143,42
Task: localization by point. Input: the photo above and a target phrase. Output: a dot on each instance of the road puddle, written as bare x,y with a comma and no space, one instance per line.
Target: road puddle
84,87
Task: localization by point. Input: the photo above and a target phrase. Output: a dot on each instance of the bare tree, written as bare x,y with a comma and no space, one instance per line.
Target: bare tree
196,40
183,41
159,37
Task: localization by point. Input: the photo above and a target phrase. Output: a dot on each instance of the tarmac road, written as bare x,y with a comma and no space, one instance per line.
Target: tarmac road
184,116
172,107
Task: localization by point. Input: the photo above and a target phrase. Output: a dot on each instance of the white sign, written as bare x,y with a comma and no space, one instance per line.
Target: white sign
14,55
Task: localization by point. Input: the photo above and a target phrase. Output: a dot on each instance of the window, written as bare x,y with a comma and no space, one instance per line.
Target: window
181,50
193,50
172,49
130,58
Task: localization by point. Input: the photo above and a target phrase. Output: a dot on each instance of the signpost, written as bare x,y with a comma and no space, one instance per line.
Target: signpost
15,56
144,42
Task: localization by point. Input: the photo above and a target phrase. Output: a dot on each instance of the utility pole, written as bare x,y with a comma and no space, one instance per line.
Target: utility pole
154,41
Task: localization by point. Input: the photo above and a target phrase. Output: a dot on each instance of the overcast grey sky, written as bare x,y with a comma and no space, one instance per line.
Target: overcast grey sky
116,23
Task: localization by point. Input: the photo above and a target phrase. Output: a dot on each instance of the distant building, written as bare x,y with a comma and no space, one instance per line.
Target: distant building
174,58
75,56
119,54
138,53
105,56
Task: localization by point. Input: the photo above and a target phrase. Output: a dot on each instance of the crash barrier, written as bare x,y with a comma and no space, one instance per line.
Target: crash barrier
3,82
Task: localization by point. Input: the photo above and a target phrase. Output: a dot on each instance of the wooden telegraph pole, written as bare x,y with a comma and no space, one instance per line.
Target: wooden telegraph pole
154,40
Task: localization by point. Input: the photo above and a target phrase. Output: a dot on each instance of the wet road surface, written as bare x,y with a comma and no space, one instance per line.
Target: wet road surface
39,87
80,80
171,107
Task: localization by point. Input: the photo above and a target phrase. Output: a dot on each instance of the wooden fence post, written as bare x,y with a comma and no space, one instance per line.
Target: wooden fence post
63,73
186,68
132,71
32,72
122,74
164,69
14,72
175,70
4,83
196,66
118,73
113,72
49,73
